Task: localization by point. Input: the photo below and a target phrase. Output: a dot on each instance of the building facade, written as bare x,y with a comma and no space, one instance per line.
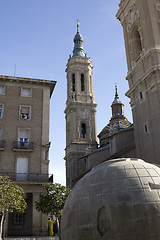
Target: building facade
80,109
116,141
116,138
140,22
24,146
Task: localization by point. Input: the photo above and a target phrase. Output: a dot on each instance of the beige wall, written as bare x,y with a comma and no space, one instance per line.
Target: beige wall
121,144
80,108
38,126
143,73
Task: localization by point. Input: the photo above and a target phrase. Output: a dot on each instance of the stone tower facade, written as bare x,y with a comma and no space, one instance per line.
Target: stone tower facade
80,110
141,25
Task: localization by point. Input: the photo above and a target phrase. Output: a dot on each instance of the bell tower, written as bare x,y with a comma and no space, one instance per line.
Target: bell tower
141,26
80,112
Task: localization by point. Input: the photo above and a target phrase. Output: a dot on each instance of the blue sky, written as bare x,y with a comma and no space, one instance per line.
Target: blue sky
37,37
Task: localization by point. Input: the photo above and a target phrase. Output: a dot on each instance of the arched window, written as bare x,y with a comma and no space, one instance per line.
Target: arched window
137,44
83,130
73,82
82,82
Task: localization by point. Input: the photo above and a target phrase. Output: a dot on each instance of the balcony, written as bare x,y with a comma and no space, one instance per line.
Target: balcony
2,145
23,146
30,177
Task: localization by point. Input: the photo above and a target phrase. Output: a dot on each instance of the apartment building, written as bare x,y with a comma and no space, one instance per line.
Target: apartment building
24,146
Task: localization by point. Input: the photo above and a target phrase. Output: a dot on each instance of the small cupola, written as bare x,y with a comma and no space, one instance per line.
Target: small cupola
78,44
117,107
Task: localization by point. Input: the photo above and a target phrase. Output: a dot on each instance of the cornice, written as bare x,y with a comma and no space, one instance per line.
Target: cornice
144,76
34,81
122,6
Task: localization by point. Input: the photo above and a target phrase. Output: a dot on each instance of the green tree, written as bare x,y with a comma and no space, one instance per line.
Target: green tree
53,200
12,198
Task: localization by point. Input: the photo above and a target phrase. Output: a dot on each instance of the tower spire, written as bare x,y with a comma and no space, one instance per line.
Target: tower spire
78,44
117,106
116,93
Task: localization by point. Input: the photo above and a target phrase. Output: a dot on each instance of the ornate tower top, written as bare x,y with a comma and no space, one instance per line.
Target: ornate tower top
116,99
118,121
117,107
78,44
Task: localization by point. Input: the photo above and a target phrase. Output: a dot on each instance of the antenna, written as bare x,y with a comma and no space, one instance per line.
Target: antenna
15,70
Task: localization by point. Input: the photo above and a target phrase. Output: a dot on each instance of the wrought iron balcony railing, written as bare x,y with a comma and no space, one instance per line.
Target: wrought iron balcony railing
29,177
23,145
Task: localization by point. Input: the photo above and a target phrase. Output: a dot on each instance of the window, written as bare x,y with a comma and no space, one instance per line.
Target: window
73,82
22,169
146,130
2,90
141,95
23,138
26,92
25,112
82,82
83,130
18,218
137,44
1,110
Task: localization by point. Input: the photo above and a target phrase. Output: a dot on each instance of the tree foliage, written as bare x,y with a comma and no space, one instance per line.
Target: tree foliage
54,199
12,198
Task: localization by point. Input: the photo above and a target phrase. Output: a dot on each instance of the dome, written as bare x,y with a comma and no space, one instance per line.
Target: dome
78,44
117,101
116,200
118,125
77,37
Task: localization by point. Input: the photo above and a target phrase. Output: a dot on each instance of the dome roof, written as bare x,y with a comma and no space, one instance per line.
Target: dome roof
78,44
77,37
118,199
117,101
118,125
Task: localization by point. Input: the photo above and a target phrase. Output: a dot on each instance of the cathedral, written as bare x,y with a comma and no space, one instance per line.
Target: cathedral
119,138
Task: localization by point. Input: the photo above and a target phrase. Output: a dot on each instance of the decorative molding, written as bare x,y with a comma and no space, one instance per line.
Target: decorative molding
158,5
121,2
133,64
132,15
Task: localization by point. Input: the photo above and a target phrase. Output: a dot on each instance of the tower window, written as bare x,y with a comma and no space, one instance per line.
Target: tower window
146,129
83,130
137,44
82,82
73,82
141,95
